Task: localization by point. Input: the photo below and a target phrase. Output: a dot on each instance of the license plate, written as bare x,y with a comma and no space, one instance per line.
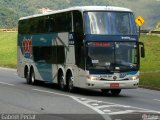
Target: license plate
114,85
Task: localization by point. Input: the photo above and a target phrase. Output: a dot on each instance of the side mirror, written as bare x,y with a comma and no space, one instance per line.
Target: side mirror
142,49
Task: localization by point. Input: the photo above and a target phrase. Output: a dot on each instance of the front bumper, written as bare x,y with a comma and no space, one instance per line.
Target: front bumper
98,84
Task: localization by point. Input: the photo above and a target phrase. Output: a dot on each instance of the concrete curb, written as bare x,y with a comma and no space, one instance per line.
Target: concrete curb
149,87
12,69
150,72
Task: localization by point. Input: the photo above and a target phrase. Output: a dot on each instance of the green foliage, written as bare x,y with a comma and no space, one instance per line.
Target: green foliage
12,10
148,9
151,79
152,48
158,26
8,49
150,65
5,21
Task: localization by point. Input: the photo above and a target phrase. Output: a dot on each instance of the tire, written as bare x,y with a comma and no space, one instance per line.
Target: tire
61,82
27,76
70,86
105,91
32,77
115,91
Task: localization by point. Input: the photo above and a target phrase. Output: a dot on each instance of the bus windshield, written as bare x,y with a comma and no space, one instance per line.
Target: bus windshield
112,56
110,23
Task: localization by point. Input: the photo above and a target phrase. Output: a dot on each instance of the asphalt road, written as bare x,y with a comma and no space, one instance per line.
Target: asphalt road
45,101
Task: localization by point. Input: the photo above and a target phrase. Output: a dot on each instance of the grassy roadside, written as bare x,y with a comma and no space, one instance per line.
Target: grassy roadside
150,79
8,49
150,65
151,62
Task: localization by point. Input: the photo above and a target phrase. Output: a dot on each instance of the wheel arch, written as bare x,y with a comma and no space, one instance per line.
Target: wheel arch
60,72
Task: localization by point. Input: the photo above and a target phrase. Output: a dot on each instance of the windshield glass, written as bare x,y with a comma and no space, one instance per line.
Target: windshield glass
112,56
110,23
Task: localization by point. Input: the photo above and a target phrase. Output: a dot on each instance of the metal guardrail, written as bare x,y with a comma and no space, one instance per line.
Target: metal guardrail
8,30
149,32
142,31
155,32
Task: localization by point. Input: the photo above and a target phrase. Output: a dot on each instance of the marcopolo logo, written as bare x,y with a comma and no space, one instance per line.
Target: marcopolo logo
27,45
122,75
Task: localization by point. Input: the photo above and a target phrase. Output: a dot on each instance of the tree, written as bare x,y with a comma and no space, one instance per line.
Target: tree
158,26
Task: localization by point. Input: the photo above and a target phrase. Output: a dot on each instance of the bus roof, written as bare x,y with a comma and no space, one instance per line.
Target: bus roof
82,9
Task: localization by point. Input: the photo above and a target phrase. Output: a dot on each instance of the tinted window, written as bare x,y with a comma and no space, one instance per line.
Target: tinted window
50,55
61,22
109,23
60,54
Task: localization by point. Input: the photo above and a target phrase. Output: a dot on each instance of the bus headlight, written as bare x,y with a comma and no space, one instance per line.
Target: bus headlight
135,77
92,78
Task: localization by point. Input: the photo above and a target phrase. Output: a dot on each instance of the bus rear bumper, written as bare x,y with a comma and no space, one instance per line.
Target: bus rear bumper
97,84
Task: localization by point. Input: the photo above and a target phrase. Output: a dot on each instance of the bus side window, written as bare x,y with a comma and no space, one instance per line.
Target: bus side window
78,30
78,23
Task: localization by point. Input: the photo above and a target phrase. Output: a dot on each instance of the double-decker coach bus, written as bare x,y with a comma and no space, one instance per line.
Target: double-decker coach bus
93,47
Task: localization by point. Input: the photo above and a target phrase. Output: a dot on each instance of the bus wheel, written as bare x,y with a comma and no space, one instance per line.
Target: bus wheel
104,91
26,75
32,77
27,78
61,82
70,85
116,91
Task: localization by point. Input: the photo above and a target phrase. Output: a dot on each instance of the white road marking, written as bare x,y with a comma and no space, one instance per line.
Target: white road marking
132,111
106,117
113,105
83,98
157,100
137,108
94,106
45,91
122,112
106,110
4,83
78,100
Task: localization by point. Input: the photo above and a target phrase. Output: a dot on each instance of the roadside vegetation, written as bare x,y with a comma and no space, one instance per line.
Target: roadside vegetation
12,10
150,65
8,49
158,26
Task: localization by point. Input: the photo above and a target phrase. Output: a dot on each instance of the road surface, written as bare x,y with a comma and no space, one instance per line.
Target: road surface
46,101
